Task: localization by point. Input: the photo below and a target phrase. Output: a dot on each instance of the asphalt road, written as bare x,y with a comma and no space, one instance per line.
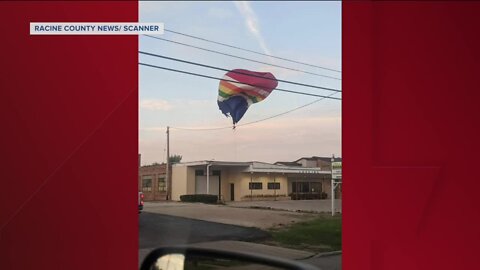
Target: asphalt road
157,230
161,230
333,262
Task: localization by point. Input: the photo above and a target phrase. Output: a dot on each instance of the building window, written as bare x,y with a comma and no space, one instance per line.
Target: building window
161,184
300,187
255,185
203,173
274,185
316,187
146,183
304,187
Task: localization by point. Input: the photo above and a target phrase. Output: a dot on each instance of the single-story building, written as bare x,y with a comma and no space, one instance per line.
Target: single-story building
236,181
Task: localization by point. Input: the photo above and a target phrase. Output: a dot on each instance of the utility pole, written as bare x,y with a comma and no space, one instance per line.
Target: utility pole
332,186
169,186
336,180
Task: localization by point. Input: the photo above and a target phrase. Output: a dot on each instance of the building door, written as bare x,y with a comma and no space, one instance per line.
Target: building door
232,192
201,185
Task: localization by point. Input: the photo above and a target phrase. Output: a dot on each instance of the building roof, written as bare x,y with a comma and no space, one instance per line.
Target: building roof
213,163
153,165
153,168
257,167
288,163
272,168
314,158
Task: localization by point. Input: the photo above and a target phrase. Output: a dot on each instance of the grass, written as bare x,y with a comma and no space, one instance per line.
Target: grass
322,234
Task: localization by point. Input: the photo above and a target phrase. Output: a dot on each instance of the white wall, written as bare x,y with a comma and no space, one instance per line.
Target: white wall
179,182
243,185
183,181
201,185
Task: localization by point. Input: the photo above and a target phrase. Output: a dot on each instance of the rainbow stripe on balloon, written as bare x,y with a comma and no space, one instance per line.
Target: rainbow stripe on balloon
241,88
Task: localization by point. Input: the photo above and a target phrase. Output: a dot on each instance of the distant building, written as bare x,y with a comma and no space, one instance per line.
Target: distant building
324,163
237,181
152,181
305,178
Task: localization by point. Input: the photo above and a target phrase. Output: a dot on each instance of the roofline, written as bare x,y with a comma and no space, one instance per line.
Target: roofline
250,167
296,170
318,158
213,163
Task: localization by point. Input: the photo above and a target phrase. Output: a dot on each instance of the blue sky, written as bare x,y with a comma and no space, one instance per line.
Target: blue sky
303,31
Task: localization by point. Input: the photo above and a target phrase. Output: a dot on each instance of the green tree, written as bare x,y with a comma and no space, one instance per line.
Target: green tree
175,159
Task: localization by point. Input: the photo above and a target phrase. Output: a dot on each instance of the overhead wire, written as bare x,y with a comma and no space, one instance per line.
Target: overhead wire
237,72
252,51
256,121
247,59
243,58
221,79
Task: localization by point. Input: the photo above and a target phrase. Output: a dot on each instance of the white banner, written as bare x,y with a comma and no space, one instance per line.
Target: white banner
65,28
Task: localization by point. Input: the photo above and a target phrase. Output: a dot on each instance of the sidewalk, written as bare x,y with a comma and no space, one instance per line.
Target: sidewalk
241,216
306,206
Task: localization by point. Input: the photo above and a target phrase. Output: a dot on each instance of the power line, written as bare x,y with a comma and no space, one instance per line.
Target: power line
252,51
256,121
280,114
243,58
200,129
227,70
221,79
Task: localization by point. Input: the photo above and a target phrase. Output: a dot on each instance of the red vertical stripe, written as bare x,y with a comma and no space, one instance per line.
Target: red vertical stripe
410,138
68,190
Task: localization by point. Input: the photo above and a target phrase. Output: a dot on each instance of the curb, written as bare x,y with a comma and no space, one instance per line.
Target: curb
284,210
326,254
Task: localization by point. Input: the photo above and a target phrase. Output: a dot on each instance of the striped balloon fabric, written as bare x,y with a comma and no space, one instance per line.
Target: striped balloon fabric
240,88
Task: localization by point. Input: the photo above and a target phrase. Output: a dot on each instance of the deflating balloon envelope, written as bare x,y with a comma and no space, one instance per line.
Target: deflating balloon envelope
240,88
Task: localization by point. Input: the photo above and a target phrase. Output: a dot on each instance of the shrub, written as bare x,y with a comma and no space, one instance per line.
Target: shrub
203,198
265,196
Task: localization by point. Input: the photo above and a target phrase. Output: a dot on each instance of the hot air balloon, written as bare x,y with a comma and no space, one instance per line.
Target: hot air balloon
240,88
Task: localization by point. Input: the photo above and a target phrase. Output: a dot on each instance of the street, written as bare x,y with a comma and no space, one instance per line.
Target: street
163,229
157,230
